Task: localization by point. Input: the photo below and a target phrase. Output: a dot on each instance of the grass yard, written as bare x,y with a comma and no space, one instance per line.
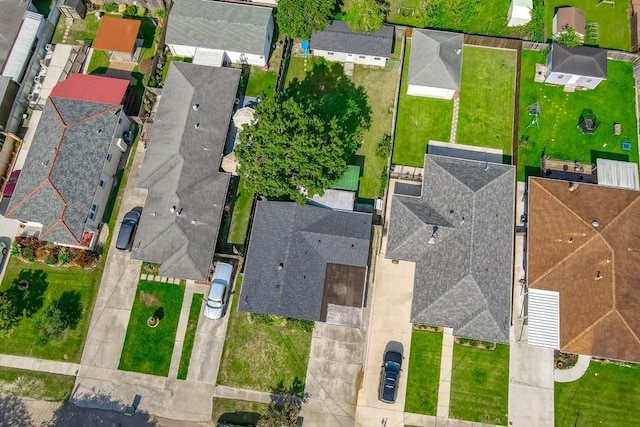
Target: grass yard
36,385
480,384
237,412
148,350
99,62
607,394
260,356
261,82
613,21
487,98
558,136
241,213
74,287
190,336
82,29
423,377
419,119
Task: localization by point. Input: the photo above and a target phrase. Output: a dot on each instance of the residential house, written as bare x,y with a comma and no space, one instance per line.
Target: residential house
119,36
435,64
186,192
519,12
307,262
213,32
458,229
583,269
72,161
147,4
20,26
338,42
579,66
569,17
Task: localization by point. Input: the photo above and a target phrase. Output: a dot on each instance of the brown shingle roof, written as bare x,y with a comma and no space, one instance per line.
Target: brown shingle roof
571,16
595,269
117,34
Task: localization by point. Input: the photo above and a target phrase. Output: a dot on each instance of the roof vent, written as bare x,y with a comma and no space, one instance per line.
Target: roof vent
172,209
99,131
458,51
195,107
197,125
194,222
573,186
280,266
595,223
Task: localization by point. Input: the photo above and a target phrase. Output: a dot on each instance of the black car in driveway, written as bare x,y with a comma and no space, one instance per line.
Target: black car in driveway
390,376
127,230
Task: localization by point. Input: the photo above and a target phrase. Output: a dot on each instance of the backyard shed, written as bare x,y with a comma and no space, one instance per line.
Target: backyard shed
569,17
519,12
614,173
118,36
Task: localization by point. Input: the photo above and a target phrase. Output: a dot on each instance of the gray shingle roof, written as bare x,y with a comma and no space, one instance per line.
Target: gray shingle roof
436,59
180,169
463,280
218,25
304,239
579,60
10,22
338,37
62,170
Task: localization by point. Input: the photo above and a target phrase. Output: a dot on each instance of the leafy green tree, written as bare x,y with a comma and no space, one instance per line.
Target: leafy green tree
290,148
569,37
300,18
282,414
367,15
49,324
9,315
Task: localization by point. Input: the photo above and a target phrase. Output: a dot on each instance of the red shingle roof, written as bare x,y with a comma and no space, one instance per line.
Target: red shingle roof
85,87
117,34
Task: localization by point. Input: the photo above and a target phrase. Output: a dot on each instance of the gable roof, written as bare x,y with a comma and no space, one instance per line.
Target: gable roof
180,170
464,278
339,37
579,60
436,59
569,16
117,34
90,88
218,25
306,240
62,170
598,316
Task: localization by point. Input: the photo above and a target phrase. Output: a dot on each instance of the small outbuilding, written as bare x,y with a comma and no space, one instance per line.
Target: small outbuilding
519,12
120,37
569,17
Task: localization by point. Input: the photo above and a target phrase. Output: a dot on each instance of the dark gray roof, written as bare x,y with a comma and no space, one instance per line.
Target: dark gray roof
436,59
62,170
304,239
10,22
463,279
180,169
218,25
579,60
338,37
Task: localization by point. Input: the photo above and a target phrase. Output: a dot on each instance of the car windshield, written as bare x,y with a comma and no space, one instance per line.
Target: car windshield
214,303
392,366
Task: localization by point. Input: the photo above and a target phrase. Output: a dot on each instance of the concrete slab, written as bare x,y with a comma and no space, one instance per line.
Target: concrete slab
180,333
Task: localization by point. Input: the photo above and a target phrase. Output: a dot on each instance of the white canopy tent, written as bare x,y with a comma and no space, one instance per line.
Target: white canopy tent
519,12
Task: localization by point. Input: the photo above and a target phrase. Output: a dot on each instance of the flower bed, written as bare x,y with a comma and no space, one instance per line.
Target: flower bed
564,360
30,249
483,345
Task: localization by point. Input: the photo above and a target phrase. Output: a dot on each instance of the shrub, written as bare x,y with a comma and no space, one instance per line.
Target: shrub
63,256
9,316
300,324
145,65
110,7
51,259
28,254
49,324
141,11
122,8
384,147
15,250
86,259
130,10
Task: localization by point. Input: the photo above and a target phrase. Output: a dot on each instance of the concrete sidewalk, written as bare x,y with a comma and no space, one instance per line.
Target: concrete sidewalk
575,372
446,364
42,365
181,331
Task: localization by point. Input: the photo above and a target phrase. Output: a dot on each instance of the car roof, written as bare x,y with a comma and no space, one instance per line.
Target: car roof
135,215
216,291
223,271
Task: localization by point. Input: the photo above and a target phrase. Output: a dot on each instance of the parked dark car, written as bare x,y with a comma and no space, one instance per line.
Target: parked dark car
10,186
127,230
390,376
128,136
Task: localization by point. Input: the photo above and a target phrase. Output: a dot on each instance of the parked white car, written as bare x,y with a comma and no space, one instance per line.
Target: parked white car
219,292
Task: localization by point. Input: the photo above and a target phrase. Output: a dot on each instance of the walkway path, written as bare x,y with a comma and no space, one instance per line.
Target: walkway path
181,331
225,392
31,363
454,121
446,363
575,372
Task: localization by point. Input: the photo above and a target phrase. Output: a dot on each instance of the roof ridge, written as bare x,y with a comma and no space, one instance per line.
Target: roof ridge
589,328
622,212
637,338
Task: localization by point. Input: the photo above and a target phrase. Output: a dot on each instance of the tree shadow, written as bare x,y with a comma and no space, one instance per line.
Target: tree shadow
239,418
335,98
71,307
29,302
159,313
14,413
296,389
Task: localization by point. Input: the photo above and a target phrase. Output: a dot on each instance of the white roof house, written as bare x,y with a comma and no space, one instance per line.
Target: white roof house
519,12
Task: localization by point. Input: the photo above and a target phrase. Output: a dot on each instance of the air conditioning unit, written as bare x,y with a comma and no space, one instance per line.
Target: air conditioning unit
49,47
237,101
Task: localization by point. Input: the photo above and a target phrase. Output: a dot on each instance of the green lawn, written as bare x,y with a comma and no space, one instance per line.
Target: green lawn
238,412
148,350
47,284
558,136
261,82
487,98
241,213
99,62
36,385
480,384
606,395
423,377
472,17
419,120
614,29
259,356
190,336
82,29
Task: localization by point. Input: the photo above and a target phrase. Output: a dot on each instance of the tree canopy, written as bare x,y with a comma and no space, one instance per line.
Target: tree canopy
569,37
367,15
303,138
300,18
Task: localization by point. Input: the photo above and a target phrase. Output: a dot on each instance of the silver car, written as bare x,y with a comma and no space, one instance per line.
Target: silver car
219,291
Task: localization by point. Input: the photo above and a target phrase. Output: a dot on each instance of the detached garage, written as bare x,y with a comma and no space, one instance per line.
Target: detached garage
435,64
